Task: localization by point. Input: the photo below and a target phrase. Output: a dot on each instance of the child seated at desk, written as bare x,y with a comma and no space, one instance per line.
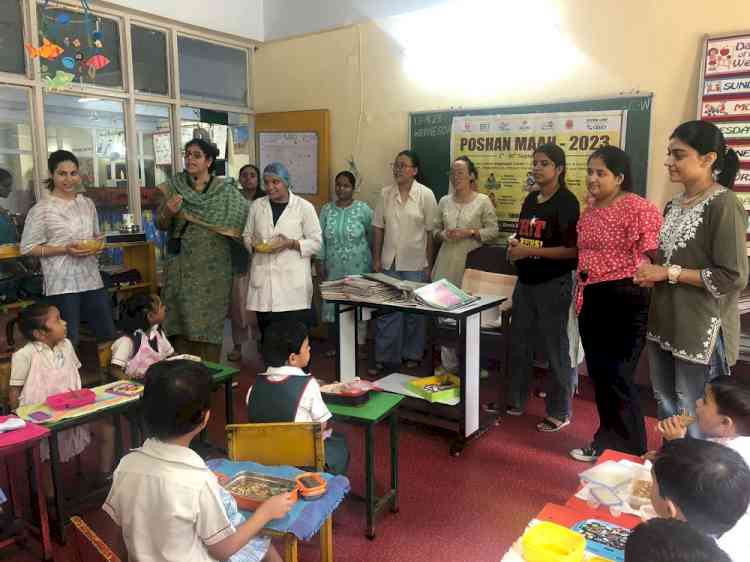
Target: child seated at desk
165,499
286,393
48,365
144,342
708,485
670,540
722,415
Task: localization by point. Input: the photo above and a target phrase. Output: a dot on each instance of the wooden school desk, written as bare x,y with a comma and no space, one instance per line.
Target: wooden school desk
467,320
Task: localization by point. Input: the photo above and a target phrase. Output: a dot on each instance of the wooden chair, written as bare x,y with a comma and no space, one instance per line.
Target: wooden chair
104,353
295,444
88,546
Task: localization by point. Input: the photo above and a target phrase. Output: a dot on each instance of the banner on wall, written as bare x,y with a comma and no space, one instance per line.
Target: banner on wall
502,147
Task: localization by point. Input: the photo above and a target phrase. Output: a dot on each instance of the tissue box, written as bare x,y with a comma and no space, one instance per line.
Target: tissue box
427,387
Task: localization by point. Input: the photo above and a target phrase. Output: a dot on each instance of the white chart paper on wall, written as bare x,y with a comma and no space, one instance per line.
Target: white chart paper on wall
298,152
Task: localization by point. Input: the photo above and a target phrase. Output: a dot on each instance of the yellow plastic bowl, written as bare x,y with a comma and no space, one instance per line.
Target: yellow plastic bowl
549,542
263,248
91,244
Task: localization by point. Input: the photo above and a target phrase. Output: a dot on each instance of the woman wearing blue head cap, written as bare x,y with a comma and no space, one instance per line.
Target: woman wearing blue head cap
283,231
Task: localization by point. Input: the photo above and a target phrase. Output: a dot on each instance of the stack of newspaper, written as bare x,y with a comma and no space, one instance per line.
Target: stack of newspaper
382,289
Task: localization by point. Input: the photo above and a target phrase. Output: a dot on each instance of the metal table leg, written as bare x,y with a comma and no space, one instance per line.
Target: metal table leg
229,402
393,422
54,454
370,480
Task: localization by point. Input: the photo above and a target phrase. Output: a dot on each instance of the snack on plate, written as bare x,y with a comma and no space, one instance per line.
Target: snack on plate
640,493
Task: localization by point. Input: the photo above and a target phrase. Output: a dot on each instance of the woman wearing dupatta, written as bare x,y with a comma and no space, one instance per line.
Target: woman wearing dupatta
203,215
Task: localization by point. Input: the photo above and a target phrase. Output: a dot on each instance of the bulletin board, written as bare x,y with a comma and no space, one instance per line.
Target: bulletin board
298,152
724,97
293,134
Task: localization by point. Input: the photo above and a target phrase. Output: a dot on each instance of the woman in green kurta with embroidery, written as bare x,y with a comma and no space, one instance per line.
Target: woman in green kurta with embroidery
347,238
203,215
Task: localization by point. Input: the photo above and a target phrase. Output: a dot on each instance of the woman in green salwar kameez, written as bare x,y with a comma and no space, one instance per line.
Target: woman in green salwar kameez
204,216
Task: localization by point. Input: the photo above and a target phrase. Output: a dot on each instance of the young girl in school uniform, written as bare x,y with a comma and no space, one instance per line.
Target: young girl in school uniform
145,342
48,365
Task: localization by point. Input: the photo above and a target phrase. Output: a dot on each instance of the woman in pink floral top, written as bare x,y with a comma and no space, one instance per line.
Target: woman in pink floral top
616,233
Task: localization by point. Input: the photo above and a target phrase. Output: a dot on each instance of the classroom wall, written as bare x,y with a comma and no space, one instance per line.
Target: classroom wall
646,45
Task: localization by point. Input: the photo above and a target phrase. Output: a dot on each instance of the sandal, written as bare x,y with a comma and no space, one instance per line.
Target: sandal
330,353
411,364
235,355
549,425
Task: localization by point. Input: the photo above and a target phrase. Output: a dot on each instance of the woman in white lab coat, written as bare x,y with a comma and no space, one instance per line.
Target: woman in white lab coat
283,232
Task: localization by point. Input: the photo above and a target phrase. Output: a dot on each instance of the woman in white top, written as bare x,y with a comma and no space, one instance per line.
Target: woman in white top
465,220
54,230
402,248
283,232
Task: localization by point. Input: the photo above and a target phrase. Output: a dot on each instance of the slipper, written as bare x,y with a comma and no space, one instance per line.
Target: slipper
411,364
234,355
549,426
330,353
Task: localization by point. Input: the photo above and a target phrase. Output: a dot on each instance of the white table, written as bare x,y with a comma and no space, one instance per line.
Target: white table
468,327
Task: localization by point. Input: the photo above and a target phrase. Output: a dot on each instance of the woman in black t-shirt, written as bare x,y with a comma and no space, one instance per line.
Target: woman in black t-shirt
544,252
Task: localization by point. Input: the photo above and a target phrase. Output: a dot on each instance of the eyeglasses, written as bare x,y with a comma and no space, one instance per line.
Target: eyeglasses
399,167
457,175
195,155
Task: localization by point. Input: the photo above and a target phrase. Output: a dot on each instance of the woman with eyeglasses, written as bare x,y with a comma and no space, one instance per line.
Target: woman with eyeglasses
402,248
203,214
465,220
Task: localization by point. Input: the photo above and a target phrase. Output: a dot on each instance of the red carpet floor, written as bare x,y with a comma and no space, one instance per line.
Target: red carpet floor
467,508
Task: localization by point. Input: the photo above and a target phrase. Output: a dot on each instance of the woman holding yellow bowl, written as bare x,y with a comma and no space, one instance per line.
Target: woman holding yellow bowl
283,231
62,230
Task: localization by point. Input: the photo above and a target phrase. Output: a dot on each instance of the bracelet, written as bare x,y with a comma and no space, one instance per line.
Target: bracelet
42,248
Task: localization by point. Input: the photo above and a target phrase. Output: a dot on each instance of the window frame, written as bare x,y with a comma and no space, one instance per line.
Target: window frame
127,94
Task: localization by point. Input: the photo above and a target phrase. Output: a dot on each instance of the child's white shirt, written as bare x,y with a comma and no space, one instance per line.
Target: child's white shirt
311,407
168,504
736,541
122,348
55,357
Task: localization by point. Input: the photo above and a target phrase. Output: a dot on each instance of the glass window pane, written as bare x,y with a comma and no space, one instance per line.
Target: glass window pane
230,132
92,129
154,164
12,58
82,47
211,72
149,60
16,159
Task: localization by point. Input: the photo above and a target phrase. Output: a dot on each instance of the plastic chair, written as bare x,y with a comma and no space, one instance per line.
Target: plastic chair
295,444
88,546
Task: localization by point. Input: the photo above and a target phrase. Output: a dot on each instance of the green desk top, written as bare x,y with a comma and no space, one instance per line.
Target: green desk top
379,404
221,373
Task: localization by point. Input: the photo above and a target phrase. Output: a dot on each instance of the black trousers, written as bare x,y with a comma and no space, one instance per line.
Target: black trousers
613,324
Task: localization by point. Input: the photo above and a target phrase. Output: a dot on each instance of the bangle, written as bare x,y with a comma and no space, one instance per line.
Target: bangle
42,249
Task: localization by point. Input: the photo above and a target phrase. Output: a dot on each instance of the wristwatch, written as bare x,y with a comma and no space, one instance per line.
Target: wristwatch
673,274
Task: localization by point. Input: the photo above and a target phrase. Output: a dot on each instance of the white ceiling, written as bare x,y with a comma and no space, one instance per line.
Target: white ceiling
265,20
287,18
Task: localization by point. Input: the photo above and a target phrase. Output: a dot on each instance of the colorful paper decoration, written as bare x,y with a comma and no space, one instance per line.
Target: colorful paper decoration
48,50
61,80
69,63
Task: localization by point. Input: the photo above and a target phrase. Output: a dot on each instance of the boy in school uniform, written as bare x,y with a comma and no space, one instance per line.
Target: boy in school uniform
165,499
671,540
286,393
707,485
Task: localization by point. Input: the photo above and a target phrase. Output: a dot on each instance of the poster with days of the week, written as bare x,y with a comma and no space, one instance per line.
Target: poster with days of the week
724,97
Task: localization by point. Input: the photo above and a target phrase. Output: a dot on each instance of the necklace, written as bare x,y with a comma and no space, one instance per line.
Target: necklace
542,198
693,199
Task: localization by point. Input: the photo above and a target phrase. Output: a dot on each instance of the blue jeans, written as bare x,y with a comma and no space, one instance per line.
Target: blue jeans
95,307
540,318
400,336
678,384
